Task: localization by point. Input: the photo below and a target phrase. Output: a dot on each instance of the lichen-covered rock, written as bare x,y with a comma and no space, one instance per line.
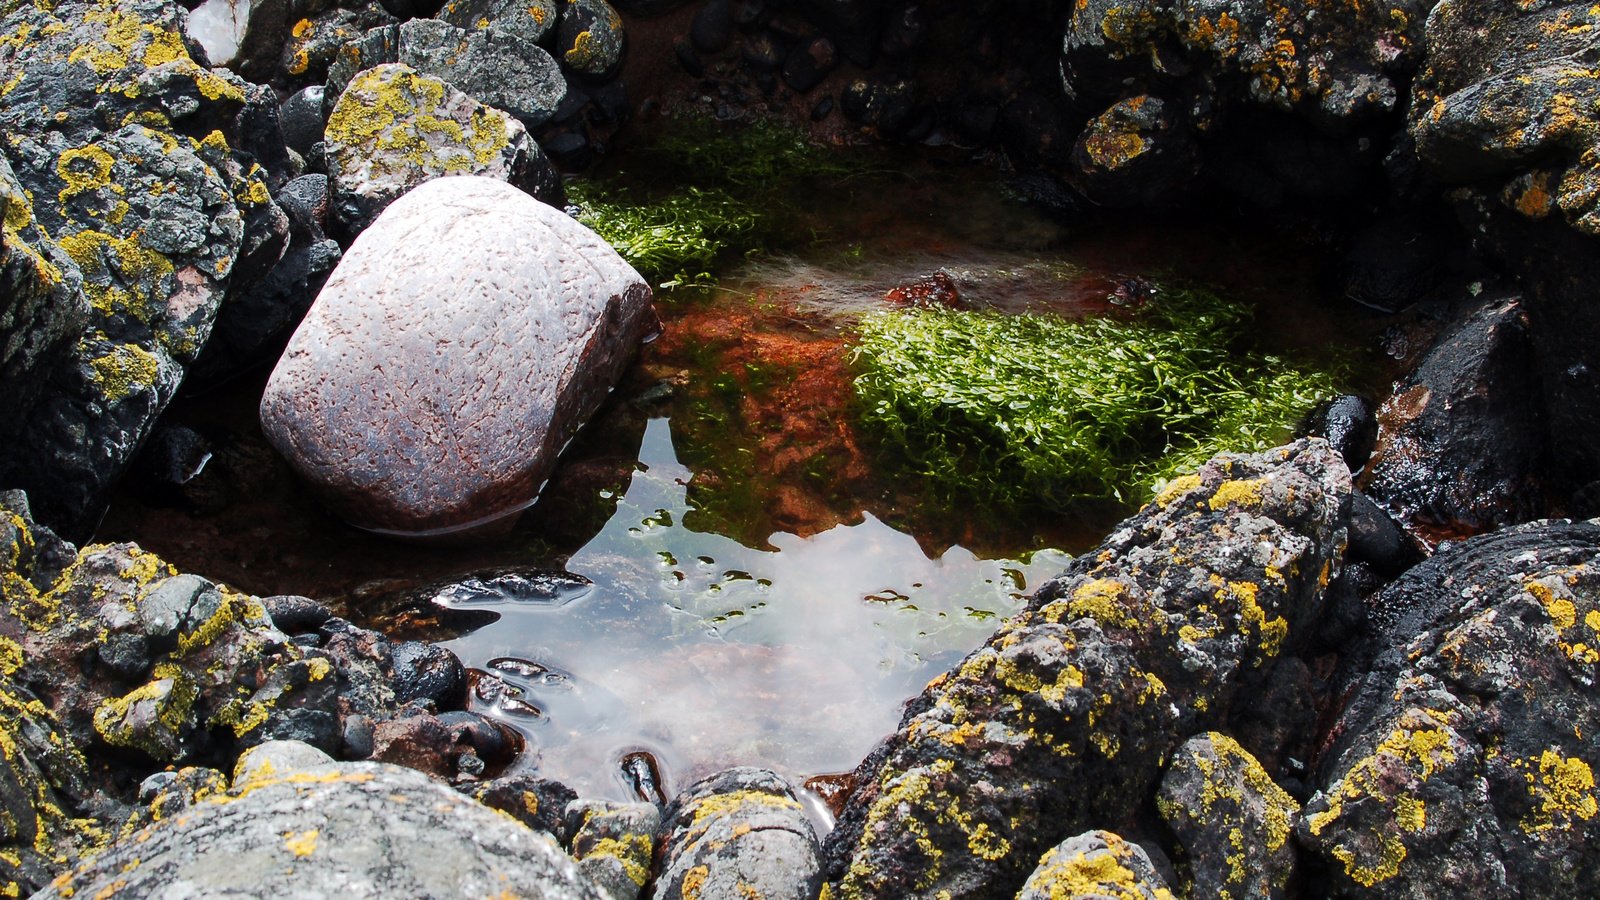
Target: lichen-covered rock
1500,96
316,41
350,830
1234,824
738,833
527,21
44,309
1137,153
494,65
1461,447
128,148
1096,864
539,803
614,843
169,792
590,39
1463,764
274,759
1063,718
394,128
1334,63
457,348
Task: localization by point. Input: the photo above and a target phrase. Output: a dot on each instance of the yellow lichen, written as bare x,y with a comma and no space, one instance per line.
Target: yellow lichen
1246,494
124,370
301,843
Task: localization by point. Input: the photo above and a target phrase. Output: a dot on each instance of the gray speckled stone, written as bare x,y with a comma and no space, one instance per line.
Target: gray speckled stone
343,831
614,843
460,343
494,65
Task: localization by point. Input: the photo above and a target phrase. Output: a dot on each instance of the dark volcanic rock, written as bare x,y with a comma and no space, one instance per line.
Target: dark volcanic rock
502,370
1062,718
495,66
302,118
315,42
1234,824
1461,447
1348,423
590,39
742,827
527,21
1463,763
539,803
312,832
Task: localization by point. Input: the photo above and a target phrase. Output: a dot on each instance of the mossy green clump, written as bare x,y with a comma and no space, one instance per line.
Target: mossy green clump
716,191
674,241
1037,410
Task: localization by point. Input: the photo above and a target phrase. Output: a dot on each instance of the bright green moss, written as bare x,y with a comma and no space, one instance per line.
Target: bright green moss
1038,410
674,241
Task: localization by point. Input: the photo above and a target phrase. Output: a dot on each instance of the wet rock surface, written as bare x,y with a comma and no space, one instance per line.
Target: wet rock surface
736,832
1460,446
1060,720
453,419
1463,760
306,831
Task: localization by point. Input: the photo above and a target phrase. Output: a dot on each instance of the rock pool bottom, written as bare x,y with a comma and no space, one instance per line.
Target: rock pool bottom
706,653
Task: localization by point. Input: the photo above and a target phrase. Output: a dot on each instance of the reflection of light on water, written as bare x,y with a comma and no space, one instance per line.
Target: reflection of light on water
710,653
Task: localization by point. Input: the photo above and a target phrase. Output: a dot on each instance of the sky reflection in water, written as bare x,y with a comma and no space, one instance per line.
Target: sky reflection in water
710,654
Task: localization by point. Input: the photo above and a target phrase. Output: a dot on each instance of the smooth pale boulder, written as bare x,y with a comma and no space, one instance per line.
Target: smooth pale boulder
457,347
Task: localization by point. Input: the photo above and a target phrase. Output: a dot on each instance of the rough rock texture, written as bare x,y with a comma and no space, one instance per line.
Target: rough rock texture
1061,720
394,129
1096,864
1504,106
129,151
458,346
316,41
738,833
1137,153
44,307
589,40
539,803
614,843
312,832
243,35
1461,447
1232,822
1463,764
525,20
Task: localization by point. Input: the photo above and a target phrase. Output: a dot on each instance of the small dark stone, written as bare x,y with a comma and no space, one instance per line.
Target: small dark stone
747,14
428,673
493,741
569,148
302,120
305,202
317,158
712,28
1376,539
293,614
1344,612
538,803
761,54
808,63
357,737
1350,425
643,774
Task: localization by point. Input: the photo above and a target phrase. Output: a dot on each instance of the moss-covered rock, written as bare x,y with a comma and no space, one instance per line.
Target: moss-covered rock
1464,762
394,128
1234,824
1063,719
614,843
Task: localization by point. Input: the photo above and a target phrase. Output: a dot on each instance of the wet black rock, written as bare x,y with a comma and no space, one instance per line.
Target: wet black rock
1396,261
293,614
1463,762
1232,823
428,673
742,827
1461,445
1349,424
888,106
1376,539
302,118
1060,721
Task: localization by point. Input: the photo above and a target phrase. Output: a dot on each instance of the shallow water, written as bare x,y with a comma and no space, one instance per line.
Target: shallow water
764,591
708,653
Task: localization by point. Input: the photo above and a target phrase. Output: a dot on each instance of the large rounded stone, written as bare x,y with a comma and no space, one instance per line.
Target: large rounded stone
349,830
460,343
